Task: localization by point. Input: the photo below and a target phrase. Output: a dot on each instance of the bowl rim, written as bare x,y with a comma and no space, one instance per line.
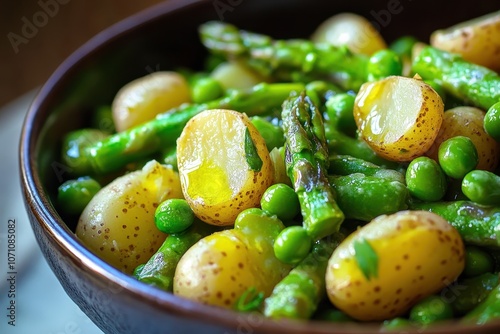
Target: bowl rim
49,220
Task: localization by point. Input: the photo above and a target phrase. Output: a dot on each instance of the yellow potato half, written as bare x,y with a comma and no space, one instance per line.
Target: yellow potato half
142,99
398,117
118,223
477,40
351,30
215,165
384,268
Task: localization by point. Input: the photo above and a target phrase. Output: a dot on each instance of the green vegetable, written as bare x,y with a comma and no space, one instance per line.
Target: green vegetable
339,109
384,63
457,156
477,224
170,157
282,58
102,119
365,197
159,270
74,195
486,311
396,324
341,164
366,258
472,83
470,292
206,89
74,147
482,187
307,163
280,200
272,133
477,262
292,245
431,310
252,156
173,216
425,179
250,300
403,46
342,144
333,315
122,148
297,296
492,121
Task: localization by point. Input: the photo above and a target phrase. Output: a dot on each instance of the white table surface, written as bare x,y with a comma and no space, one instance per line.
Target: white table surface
42,306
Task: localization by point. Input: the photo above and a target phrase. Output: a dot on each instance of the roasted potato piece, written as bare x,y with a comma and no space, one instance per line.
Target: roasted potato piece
398,117
224,165
118,223
468,122
390,264
477,40
144,98
351,30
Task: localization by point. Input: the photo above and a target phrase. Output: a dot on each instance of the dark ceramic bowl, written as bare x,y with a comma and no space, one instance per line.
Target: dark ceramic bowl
162,38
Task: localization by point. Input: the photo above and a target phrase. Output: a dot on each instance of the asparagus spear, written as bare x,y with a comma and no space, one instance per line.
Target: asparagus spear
477,224
283,58
122,148
472,83
299,293
160,268
306,159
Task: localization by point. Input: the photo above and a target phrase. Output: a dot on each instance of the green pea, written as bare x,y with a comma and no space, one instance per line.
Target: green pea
477,262
73,146
280,200
292,245
425,179
271,132
339,109
74,195
173,216
482,187
206,89
430,310
457,156
492,121
384,63
403,46
102,119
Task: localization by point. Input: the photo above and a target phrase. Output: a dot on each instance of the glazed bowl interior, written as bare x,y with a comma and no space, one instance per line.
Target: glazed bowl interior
165,38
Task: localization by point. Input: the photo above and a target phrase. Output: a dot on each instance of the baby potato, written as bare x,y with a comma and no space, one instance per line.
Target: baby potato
398,117
351,30
468,121
217,270
142,99
224,165
477,40
118,223
236,75
384,268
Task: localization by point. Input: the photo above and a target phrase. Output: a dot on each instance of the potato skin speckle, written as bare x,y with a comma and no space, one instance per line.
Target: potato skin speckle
419,253
118,223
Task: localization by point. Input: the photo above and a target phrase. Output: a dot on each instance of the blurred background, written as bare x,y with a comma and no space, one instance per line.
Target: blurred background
37,35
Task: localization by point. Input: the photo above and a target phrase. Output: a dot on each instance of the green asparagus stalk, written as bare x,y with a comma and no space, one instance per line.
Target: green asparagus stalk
160,268
472,83
297,296
306,159
282,58
486,311
143,140
477,224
